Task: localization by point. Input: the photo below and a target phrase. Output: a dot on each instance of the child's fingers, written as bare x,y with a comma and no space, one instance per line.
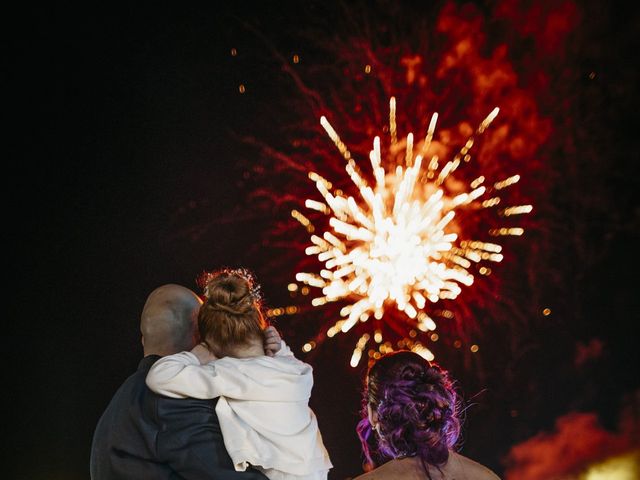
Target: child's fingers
270,331
272,344
271,334
272,341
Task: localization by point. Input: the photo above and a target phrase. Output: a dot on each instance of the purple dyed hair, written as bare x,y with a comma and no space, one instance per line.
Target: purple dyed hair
417,410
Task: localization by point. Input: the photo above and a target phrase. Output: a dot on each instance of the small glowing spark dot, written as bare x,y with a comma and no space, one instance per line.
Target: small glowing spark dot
241,88
367,69
474,348
296,59
396,244
234,52
292,287
457,344
546,312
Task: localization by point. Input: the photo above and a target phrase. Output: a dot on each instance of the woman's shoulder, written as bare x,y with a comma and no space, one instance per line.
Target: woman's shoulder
458,467
406,468
470,468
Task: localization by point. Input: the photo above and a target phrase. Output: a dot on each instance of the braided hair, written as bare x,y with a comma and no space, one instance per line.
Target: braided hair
417,410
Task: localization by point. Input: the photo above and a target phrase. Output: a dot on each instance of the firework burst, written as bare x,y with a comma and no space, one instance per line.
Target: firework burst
449,62
398,246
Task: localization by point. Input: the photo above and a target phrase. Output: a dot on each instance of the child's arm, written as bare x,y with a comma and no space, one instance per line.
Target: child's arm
203,353
181,375
284,350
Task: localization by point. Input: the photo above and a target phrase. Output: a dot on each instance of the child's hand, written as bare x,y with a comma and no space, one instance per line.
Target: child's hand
203,353
272,341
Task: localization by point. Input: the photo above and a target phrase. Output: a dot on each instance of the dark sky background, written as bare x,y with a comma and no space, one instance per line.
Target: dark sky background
123,168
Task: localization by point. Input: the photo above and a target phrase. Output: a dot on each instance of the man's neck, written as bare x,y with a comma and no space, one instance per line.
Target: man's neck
160,350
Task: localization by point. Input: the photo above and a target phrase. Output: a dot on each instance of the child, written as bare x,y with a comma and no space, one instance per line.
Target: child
263,406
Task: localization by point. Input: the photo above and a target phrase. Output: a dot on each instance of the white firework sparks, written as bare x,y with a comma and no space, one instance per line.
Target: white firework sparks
395,246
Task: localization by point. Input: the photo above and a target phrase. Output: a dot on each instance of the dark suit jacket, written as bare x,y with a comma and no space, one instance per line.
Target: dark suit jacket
142,435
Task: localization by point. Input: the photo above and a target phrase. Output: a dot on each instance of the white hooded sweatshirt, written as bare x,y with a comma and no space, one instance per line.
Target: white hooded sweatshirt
263,409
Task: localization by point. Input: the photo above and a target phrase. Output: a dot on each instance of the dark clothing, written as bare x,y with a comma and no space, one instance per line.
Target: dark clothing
142,435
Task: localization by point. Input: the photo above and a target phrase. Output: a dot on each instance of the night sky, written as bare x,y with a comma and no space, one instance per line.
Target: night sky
127,171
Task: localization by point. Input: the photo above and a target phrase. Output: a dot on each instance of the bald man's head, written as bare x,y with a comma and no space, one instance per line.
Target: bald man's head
169,320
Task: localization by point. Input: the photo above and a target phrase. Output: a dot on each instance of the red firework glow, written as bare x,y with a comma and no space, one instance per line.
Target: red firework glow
452,67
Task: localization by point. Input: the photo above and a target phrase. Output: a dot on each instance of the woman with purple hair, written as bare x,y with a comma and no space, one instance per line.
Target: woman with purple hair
410,421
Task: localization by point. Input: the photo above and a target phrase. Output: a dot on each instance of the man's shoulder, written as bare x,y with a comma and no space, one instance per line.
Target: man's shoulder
185,410
135,383
184,402
123,398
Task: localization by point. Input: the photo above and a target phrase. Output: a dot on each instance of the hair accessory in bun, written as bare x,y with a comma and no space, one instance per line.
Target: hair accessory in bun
254,287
